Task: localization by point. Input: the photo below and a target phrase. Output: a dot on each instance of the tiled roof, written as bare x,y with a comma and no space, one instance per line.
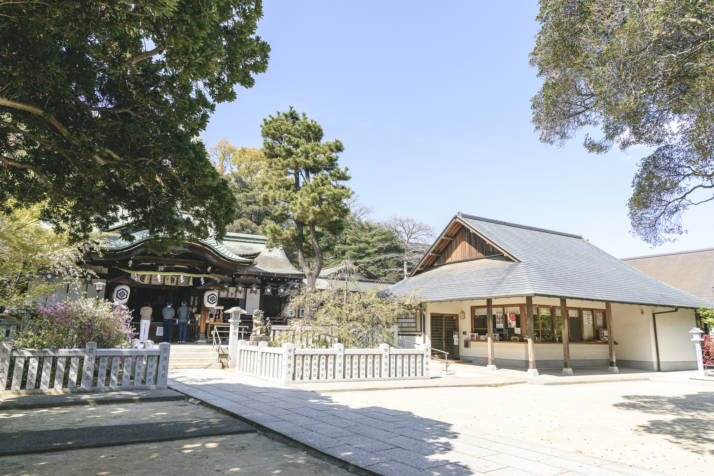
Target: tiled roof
549,263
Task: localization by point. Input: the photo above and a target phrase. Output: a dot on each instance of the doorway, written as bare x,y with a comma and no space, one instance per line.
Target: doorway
445,333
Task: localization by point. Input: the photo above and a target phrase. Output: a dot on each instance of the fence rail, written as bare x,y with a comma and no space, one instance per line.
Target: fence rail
288,364
89,369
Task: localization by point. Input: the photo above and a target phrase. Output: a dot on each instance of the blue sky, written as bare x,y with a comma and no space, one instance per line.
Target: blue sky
432,103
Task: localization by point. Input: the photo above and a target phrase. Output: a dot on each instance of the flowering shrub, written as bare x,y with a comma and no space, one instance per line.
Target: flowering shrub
72,324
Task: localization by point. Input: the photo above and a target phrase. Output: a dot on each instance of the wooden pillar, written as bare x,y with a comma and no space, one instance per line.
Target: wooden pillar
489,324
610,339
529,334
567,369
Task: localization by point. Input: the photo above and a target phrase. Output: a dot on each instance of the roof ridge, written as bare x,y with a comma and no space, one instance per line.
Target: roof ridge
517,225
668,254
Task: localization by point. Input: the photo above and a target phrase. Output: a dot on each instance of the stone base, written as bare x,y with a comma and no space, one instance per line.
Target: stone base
491,367
613,369
568,371
532,372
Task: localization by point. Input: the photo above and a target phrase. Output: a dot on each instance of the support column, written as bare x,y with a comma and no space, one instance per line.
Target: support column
610,339
532,370
567,369
489,324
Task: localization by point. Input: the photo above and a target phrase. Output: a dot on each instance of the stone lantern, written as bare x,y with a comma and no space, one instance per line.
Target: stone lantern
697,339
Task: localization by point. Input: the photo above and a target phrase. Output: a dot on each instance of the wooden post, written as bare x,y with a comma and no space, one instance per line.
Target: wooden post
489,323
529,334
567,369
610,340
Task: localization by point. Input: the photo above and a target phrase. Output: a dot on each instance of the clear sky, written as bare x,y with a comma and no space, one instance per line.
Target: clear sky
432,103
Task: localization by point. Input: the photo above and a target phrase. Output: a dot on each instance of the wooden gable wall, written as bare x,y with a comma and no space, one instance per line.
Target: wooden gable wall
465,245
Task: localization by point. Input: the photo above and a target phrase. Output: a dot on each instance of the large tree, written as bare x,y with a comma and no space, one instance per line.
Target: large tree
101,102
370,244
242,168
643,72
303,182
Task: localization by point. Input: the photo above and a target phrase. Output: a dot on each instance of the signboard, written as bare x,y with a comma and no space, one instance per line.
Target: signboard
121,294
210,298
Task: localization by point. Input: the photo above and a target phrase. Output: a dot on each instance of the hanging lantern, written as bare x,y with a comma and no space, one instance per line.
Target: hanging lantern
202,281
268,291
254,288
239,289
158,278
181,279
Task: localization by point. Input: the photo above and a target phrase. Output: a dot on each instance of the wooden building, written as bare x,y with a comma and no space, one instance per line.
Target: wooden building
239,268
498,293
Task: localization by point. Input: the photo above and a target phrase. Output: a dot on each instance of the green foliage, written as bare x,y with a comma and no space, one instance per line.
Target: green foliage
29,251
101,102
302,183
372,245
706,315
242,168
356,319
72,324
643,72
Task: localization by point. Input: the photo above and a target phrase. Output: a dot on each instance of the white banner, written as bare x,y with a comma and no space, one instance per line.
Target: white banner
121,294
210,298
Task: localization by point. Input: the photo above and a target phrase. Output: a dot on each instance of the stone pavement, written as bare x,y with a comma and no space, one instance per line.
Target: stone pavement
381,440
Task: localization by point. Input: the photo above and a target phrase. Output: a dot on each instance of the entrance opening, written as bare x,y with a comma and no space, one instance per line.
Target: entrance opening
445,333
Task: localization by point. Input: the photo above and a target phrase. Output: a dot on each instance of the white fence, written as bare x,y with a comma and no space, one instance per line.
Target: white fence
89,369
288,364
8,328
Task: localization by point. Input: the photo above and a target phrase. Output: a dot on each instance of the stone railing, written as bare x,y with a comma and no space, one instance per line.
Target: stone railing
289,365
88,370
8,328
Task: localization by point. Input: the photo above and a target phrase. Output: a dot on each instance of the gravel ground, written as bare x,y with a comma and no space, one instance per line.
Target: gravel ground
662,426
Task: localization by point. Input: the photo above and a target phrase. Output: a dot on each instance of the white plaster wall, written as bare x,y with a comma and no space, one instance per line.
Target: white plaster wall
676,351
632,331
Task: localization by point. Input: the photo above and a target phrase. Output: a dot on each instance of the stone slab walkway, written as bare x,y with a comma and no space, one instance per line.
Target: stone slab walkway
381,440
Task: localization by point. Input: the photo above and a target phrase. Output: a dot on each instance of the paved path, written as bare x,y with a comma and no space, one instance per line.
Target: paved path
384,441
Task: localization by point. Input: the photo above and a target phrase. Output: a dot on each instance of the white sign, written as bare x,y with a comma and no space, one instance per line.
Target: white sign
159,331
210,298
121,294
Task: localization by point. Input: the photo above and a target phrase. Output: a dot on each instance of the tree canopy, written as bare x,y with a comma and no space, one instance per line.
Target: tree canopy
304,184
242,168
643,72
372,245
101,102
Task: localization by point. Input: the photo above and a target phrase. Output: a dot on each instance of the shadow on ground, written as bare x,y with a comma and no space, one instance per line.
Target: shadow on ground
379,439
692,425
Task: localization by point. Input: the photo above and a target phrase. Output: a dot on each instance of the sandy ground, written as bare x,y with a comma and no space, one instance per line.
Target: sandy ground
662,426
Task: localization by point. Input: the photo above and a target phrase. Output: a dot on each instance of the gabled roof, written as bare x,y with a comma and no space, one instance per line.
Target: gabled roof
540,262
692,271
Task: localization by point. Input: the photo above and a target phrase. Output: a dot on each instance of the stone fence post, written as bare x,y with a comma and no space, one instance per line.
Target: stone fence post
288,362
90,356
426,353
261,347
5,351
233,342
339,361
162,373
384,350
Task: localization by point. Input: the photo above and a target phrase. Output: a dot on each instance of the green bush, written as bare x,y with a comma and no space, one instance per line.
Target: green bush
73,323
